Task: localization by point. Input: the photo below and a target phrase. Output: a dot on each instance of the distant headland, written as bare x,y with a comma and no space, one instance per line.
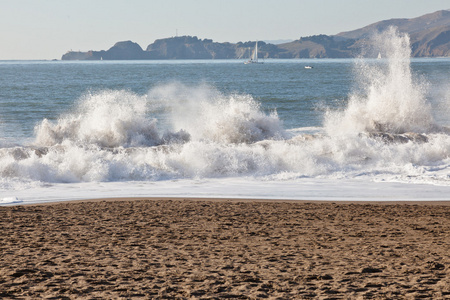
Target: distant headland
429,34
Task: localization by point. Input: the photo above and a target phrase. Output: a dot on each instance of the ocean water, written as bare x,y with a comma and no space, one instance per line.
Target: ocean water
354,129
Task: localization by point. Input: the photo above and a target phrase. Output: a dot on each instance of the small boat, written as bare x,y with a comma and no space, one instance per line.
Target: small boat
308,67
254,58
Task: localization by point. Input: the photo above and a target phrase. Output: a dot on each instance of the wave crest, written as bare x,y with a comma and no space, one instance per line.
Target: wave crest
107,119
207,114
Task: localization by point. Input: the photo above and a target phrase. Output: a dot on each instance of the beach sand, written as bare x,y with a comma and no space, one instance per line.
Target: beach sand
225,249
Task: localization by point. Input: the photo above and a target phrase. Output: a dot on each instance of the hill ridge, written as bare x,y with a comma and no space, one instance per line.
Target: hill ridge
429,35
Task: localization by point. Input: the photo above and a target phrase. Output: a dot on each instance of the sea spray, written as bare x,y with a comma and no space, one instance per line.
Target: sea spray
107,119
124,119
389,98
207,114
441,107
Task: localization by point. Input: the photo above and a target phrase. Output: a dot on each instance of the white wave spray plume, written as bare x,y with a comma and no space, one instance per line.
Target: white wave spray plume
107,119
391,99
206,114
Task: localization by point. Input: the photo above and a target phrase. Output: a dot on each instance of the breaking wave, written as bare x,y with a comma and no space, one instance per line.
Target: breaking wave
390,98
124,119
386,132
106,119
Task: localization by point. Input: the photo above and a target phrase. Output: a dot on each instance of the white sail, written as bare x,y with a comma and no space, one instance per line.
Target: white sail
254,57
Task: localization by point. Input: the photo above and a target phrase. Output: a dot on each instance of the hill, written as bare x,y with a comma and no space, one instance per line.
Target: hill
429,34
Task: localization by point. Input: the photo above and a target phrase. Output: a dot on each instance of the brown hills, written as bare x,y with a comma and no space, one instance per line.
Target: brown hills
429,34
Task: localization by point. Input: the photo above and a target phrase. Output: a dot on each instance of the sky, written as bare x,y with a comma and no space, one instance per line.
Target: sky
46,29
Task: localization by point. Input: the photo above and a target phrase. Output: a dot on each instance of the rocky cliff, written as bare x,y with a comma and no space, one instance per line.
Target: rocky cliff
430,37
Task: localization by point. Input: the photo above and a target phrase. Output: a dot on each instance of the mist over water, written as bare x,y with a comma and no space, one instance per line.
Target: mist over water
387,130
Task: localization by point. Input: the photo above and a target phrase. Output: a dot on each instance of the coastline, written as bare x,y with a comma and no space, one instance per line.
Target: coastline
230,199
225,248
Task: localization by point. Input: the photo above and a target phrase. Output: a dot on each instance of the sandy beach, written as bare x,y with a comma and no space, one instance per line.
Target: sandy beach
225,249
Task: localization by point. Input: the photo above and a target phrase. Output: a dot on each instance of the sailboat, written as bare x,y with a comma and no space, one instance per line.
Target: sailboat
254,58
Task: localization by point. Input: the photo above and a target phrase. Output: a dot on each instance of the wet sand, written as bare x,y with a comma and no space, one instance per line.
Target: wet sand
225,249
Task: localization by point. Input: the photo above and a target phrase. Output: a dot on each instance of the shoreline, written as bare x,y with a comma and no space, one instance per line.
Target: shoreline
232,248
229,199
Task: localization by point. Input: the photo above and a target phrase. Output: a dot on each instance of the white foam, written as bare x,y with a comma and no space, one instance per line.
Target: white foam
107,119
247,188
9,201
303,156
207,114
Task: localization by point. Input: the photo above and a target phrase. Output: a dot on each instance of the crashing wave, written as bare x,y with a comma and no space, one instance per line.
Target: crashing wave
390,99
387,130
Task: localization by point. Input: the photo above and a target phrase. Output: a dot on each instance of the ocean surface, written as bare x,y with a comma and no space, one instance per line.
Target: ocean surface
346,129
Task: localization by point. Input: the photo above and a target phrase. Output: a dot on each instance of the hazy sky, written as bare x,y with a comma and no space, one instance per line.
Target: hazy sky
46,29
